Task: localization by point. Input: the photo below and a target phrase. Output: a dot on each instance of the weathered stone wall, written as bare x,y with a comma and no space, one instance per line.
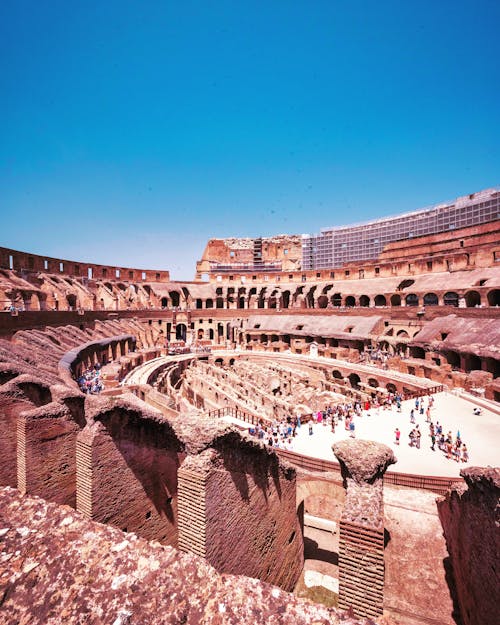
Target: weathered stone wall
242,508
470,516
127,465
46,463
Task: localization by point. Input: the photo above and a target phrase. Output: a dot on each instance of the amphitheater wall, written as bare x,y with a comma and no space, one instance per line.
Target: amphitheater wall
261,537
127,473
46,463
10,408
469,516
23,261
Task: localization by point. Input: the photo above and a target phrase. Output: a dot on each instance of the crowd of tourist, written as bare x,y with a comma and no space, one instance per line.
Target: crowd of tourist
453,447
90,382
280,433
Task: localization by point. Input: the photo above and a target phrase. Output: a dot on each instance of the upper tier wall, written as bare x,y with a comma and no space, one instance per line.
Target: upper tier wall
19,261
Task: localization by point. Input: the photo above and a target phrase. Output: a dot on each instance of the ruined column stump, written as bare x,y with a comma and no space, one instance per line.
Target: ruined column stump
361,535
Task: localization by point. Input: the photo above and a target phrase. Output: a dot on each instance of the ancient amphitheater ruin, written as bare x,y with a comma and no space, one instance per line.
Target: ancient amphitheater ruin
150,498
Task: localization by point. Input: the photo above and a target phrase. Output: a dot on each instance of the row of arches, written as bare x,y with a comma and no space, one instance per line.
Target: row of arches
256,298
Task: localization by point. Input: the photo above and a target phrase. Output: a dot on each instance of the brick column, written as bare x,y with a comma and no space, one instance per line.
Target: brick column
361,535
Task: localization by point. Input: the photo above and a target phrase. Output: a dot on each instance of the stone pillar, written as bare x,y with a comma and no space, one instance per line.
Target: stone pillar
361,537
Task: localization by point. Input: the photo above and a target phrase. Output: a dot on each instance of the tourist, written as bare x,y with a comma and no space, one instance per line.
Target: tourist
412,416
417,437
465,453
398,436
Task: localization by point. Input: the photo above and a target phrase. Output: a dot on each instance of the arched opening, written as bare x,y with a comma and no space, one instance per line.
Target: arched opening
411,299
380,300
417,352
493,366
403,333
175,297
219,302
211,334
209,303
164,302
354,380
350,301
453,359
373,382
285,299
364,301
494,297
337,375
395,300
71,299
310,297
450,299
180,332
322,301
431,299
391,388
337,299
199,303
472,299
200,334
219,362
472,363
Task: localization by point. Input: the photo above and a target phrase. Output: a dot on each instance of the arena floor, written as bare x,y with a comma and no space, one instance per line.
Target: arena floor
480,433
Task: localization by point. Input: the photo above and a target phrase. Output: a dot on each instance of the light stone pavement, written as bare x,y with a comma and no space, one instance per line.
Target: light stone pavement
481,434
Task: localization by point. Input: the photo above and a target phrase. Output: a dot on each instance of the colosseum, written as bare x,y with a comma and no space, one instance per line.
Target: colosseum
221,450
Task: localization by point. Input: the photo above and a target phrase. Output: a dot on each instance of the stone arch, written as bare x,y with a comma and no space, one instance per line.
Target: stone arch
219,302
431,299
71,300
337,299
322,301
354,380
472,299
380,300
285,299
494,297
411,299
391,387
403,333
450,299
164,302
417,352
175,297
180,332
472,362
364,301
395,300
209,303
199,303
453,359
350,301
373,382
337,374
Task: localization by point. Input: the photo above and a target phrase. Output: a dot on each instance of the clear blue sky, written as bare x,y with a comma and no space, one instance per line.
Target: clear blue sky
131,132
